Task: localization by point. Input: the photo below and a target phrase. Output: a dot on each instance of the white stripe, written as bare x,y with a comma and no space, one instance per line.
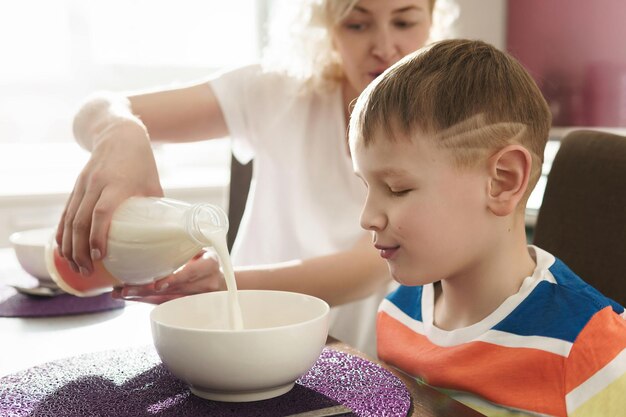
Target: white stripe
544,261
599,381
547,344
496,337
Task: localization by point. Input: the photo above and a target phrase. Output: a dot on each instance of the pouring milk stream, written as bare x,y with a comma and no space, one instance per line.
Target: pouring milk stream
149,238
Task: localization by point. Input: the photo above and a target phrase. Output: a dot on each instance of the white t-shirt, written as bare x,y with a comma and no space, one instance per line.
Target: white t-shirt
305,200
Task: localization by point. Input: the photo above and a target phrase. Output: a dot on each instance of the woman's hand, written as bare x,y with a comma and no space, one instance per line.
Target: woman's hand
199,275
121,165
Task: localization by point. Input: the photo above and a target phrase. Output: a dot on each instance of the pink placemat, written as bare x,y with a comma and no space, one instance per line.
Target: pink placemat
14,304
134,382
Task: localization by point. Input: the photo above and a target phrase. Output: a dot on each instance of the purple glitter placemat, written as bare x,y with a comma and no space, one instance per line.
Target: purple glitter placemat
14,304
133,382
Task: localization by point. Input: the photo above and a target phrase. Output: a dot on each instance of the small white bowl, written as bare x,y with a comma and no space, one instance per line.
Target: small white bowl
30,249
284,334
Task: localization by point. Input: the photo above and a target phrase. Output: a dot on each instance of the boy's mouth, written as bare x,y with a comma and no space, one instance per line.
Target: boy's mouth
387,252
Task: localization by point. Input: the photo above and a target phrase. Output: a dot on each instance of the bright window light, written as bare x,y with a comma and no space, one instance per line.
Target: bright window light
205,33
34,40
55,53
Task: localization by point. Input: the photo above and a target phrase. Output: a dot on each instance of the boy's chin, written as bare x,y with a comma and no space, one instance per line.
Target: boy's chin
406,278
402,278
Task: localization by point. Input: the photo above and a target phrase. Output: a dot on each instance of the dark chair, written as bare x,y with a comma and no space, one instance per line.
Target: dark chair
582,219
240,177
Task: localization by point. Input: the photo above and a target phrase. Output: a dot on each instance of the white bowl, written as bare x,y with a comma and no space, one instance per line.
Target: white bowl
284,334
30,249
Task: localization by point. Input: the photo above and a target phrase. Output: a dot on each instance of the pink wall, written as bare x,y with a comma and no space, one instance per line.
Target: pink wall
576,50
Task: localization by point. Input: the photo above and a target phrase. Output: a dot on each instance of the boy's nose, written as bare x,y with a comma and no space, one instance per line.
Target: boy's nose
372,218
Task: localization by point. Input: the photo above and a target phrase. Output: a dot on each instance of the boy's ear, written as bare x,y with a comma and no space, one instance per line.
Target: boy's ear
509,172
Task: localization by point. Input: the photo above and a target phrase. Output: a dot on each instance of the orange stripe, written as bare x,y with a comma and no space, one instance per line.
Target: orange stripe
528,379
601,341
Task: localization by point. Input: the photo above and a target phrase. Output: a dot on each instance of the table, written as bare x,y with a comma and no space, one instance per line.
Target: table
27,342
426,400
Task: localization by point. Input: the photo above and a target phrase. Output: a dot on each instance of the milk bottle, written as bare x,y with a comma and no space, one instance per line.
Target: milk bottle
149,238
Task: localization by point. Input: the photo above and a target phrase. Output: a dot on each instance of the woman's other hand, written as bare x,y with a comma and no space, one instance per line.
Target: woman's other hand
199,275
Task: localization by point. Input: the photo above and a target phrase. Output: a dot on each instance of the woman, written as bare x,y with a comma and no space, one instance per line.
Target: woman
300,229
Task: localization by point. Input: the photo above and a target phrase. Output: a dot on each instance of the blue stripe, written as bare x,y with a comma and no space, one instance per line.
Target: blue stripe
566,277
409,300
559,310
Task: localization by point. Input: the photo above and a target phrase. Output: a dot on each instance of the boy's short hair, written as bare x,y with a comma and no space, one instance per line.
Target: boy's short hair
467,95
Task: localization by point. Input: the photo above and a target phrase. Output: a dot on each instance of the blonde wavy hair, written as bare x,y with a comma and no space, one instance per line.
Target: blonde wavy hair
300,41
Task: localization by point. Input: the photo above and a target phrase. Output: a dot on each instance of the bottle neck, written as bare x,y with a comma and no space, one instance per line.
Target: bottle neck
206,222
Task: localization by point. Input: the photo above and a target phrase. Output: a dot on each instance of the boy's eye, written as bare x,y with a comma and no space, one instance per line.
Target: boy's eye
399,192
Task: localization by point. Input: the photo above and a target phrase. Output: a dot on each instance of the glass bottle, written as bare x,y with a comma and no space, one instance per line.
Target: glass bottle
149,238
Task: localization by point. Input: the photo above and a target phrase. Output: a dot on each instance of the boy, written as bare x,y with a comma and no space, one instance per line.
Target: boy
449,142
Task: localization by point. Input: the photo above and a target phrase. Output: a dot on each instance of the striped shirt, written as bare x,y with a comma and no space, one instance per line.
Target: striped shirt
556,348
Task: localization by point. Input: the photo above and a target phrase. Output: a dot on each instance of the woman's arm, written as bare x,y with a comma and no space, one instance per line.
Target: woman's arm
336,278
118,131
181,115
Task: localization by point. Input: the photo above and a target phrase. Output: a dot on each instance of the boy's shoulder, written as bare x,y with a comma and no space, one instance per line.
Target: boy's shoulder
560,305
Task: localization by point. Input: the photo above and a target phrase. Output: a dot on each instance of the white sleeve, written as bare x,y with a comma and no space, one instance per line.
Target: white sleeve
251,101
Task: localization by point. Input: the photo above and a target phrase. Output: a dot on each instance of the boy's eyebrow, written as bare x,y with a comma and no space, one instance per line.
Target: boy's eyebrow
397,11
391,172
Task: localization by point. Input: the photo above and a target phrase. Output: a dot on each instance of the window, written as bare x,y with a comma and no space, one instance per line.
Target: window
56,53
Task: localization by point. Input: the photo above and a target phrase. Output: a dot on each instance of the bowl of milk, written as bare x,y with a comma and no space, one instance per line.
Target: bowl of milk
279,338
